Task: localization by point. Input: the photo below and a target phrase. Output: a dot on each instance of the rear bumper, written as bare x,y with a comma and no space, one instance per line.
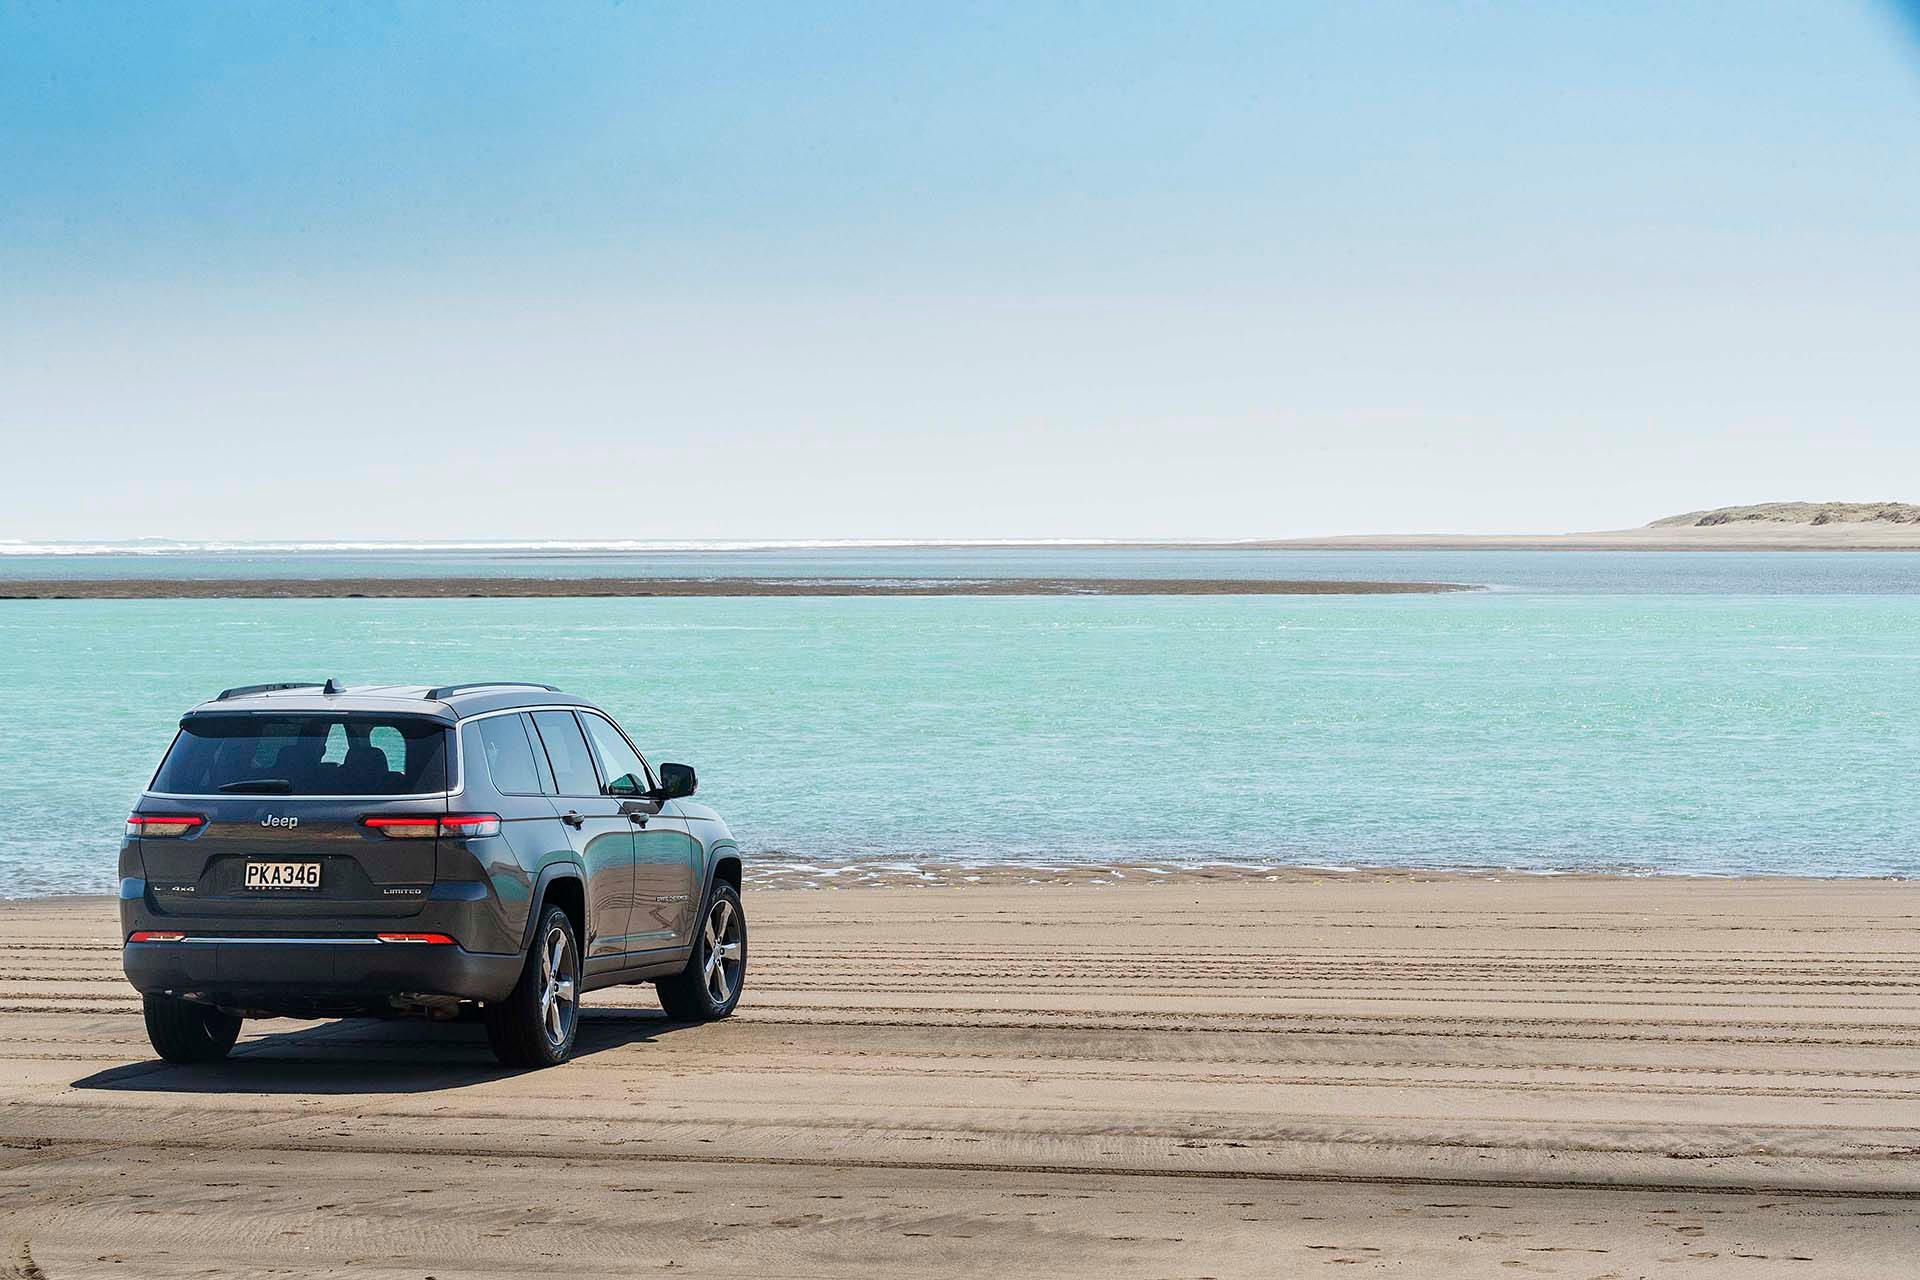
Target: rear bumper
268,972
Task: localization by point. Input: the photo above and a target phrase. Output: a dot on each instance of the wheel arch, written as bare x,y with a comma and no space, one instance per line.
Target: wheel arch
723,866
726,866
560,885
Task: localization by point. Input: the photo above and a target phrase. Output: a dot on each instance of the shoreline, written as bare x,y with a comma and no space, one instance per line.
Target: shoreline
775,873
416,588
1633,540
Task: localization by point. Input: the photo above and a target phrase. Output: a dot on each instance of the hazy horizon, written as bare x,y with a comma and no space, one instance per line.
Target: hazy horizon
563,541
994,272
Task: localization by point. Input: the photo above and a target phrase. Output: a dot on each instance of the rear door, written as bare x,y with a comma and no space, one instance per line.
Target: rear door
282,797
601,835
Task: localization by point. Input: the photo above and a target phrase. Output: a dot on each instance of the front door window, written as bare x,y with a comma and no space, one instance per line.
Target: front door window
625,772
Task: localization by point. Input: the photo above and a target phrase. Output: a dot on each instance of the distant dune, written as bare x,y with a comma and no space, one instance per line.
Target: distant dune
1806,514
1766,526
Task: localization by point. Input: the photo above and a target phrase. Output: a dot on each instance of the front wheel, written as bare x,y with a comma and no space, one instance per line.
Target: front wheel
709,987
536,1024
182,1031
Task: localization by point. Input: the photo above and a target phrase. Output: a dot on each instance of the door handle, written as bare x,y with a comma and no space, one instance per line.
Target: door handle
635,816
573,819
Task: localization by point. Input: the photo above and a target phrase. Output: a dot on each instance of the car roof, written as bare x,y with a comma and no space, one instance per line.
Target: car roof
449,703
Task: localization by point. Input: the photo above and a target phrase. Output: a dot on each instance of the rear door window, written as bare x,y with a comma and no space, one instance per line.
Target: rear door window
540,761
305,755
500,744
567,750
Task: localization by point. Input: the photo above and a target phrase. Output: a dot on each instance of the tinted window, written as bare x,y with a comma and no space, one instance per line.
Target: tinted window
619,763
540,762
572,766
501,742
388,741
305,755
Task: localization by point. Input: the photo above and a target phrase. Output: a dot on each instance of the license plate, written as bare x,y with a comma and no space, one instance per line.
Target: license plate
283,875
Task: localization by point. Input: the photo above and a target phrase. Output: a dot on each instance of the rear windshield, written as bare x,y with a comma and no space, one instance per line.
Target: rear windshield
305,755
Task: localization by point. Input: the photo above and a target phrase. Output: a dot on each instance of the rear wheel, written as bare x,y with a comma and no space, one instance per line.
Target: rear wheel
709,987
535,1025
182,1031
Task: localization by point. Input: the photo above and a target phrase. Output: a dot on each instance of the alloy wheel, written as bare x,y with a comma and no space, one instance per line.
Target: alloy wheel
725,945
558,1003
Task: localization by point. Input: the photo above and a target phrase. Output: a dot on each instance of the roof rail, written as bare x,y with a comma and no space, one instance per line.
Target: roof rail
441,691
246,690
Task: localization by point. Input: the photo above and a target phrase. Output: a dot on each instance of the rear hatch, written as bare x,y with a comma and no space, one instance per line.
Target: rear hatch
284,800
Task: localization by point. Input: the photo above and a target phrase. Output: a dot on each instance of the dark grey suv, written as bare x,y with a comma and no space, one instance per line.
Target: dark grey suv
311,850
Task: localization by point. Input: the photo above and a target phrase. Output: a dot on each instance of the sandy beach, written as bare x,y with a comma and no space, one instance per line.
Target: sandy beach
1729,537
451,587
1097,1071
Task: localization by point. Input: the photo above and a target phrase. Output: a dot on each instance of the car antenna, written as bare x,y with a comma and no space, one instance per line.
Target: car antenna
332,687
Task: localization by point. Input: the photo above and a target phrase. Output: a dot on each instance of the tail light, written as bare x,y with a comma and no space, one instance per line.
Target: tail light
427,826
430,939
152,826
155,935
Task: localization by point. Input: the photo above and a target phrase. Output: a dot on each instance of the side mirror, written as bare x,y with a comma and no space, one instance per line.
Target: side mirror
677,781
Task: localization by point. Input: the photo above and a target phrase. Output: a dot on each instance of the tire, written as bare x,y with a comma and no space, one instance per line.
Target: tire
535,1026
182,1031
709,987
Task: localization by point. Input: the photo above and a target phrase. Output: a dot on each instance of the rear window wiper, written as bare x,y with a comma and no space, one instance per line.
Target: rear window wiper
260,787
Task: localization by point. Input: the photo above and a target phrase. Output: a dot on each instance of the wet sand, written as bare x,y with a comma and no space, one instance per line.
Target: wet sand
1114,1071
436,588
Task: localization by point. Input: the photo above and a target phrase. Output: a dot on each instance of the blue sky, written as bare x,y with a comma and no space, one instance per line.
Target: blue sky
960,270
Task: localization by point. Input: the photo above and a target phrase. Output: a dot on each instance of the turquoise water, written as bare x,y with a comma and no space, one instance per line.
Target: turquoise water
1701,732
